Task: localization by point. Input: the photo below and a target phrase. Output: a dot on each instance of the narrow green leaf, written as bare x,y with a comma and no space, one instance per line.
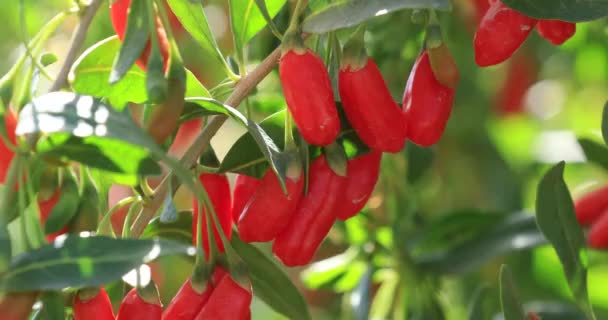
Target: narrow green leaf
83,262
567,10
179,230
509,297
477,308
385,297
265,275
84,129
324,273
344,13
53,306
595,152
66,207
556,219
134,42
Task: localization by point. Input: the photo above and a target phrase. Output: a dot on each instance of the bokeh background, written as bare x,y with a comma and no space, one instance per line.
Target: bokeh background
509,123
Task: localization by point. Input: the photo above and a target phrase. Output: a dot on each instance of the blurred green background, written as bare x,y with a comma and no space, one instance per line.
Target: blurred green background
487,161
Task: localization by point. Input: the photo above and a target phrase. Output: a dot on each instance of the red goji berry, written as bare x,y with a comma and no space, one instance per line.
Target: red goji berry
6,153
427,104
228,301
556,31
591,206
313,218
309,95
244,188
269,210
598,234
187,302
146,306
46,207
501,32
218,190
92,304
362,176
184,137
381,127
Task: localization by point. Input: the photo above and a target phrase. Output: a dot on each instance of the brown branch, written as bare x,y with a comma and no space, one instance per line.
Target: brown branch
77,42
189,160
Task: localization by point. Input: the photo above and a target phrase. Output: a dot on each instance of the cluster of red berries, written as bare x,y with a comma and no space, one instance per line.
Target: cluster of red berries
503,30
592,210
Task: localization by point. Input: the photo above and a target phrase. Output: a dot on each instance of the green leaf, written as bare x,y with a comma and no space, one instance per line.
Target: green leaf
556,219
265,275
346,13
567,10
324,273
605,123
477,307
514,232
595,152
194,20
247,20
53,306
384,298
82,262
91,72
84,129
509,298
66,207
135,40
178,230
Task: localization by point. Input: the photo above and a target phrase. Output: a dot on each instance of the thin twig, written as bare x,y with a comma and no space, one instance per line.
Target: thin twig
189,160
77,42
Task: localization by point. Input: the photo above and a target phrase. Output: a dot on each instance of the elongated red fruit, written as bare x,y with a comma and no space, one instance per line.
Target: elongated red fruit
7,154
362,176
426,103
46,207
218,189
229,301
136,307
269,210
187,302
556,31
501,32
186,134
370,108
313,218
309,95
598,234
591,206
93,304
244,188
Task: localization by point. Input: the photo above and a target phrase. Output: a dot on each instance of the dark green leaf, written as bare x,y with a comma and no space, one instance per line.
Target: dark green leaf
178,230
515,232
477,307
509,298
344,14
82,128
567,10
595,152
66,207
605,123
135,40
82,262
53,306
556,219
265,275
419,161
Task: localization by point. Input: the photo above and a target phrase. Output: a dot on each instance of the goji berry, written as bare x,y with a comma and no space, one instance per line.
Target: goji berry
92,304
244,188
187,302
598,234
218,190
427,104
184,137
381,127
309,95
591,206
313,218
46,207
501,32
362,176
269,210
556,31
143,304
6,153
228,301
